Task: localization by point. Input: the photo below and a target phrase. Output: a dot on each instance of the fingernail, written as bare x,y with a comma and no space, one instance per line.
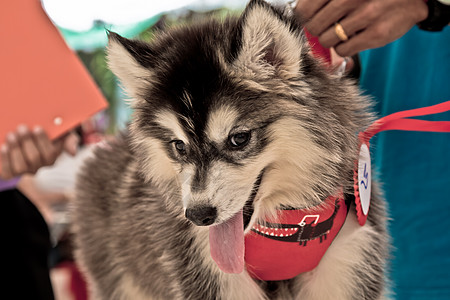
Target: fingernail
4,149
22,129
11,137
38,129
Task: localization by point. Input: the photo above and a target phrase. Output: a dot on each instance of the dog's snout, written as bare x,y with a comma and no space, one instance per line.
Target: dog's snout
202,215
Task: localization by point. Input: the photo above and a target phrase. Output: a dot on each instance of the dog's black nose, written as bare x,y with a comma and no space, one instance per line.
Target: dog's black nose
202,215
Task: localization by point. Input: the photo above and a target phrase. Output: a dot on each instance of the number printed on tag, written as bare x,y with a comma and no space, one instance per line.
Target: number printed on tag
364,178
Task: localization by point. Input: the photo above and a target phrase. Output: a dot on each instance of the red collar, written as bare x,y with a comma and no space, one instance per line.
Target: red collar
282,251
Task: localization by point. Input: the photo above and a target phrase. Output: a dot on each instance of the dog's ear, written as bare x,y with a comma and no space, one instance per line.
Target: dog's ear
131,62
271,42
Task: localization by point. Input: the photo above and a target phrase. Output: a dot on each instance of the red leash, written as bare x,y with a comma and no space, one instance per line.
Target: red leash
397,121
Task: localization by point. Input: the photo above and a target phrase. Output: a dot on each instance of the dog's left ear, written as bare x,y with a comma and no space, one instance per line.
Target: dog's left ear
271,42
131,61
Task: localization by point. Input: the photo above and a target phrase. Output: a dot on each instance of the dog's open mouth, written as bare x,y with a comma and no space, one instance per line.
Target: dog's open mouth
226,240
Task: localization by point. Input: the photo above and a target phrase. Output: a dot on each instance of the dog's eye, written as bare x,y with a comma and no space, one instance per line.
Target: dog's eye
180,146
240,139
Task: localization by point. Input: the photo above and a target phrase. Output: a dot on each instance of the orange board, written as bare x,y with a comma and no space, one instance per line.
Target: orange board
42,81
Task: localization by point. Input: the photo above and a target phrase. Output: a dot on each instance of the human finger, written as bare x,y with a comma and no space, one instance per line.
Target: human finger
18,164
70,143
48,151
340,65
331,13
356,21
306,9
29,149
360,42
5,172
375,24
383,30
377,35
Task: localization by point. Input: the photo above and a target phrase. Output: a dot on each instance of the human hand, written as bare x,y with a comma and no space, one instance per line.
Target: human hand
367,23
26,151
341,65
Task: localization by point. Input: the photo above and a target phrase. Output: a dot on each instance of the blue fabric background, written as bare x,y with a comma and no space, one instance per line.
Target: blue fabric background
414,167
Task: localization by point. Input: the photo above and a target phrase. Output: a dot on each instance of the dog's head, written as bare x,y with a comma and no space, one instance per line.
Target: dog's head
239,114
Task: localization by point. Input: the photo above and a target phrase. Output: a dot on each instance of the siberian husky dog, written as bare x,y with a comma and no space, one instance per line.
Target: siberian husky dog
234,124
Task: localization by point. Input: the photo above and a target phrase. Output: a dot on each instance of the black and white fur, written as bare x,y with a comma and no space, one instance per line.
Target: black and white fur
203,85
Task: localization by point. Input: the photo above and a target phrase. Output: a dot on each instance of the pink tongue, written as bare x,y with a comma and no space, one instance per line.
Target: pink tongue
226,242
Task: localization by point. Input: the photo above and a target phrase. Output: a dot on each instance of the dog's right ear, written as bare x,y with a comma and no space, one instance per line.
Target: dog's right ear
131,61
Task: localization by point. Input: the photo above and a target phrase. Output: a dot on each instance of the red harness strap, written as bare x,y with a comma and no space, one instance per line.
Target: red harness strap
319,51
402,120
295,242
